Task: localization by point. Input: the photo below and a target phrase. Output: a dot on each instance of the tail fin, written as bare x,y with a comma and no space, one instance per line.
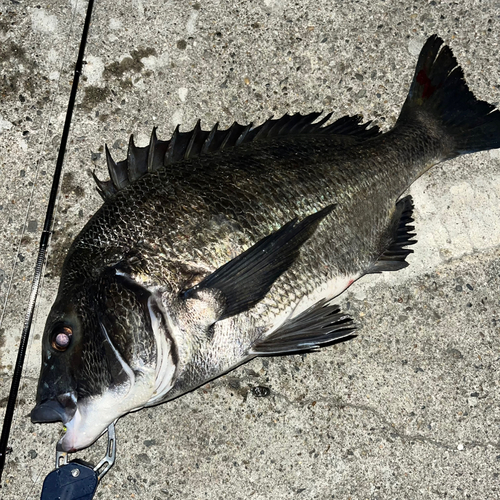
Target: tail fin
440,97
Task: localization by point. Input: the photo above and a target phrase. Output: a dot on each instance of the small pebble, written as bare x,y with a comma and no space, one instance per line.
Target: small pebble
261,392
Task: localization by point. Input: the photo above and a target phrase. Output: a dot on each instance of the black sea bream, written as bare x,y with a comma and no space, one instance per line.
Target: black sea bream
218,246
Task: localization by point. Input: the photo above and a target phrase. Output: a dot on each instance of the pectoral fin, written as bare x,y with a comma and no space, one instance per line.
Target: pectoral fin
246,279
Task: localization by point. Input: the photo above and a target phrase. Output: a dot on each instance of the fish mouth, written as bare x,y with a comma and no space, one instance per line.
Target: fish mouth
80,425
62,409
81,431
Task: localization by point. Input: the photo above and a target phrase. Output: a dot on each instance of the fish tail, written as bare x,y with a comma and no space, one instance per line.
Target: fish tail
440,99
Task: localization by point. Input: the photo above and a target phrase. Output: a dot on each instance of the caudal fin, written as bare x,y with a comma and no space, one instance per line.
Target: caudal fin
439,97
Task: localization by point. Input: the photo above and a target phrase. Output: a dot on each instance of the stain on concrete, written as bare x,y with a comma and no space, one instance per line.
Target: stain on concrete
60,243
120,71
70,187
13,81
93,96
63,237
128,64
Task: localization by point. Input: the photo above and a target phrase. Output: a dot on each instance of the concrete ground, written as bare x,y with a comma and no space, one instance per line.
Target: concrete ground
410,408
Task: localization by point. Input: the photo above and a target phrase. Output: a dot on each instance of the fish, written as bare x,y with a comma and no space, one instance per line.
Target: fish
218,246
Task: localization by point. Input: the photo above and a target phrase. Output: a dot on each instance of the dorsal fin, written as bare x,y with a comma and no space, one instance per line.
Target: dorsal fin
185,145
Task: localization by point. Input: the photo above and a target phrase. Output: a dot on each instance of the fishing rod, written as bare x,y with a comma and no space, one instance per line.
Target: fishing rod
44,243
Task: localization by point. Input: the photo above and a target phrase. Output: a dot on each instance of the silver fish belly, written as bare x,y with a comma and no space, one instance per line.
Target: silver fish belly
218,246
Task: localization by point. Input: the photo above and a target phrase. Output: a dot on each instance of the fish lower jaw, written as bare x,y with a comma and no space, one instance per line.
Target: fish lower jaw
93,416
74,439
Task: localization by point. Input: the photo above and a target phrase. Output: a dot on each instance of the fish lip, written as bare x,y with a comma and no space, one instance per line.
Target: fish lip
79,434
62,409
67,443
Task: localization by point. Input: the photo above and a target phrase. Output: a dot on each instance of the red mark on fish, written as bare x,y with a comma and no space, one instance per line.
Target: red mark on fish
425,81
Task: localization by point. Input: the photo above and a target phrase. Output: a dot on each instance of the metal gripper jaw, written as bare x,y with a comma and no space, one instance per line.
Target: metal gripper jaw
77,480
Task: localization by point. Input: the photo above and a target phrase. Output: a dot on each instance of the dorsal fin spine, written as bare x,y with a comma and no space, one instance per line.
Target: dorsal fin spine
171,146
106,189
208,141
263,129
152,149
131,157
109,160
228,135
323,120
192,140
113,169
242,136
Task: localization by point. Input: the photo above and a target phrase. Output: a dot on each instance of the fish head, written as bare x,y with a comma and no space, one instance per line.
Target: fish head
99,357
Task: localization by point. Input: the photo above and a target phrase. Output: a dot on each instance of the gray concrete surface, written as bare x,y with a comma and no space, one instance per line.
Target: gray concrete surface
410,409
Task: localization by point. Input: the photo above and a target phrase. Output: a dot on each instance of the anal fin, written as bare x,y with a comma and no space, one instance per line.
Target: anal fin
399,236
320,325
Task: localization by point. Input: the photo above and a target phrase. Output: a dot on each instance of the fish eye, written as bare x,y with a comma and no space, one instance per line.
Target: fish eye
61,338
